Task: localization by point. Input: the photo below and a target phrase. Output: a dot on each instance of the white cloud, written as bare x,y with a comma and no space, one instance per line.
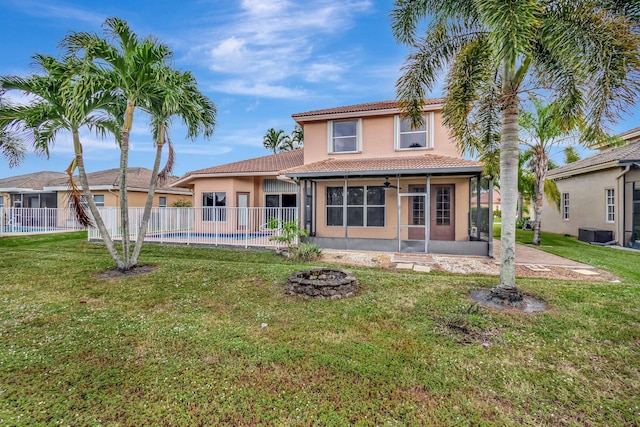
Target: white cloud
251,88
270,42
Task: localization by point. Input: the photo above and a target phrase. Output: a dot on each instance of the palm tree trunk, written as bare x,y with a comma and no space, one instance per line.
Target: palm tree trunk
82,174
506,290
540,175
142,231
124,164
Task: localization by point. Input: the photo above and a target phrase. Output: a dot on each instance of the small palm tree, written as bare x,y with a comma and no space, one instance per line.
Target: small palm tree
275,139
179,97
541,130
583,53
297,136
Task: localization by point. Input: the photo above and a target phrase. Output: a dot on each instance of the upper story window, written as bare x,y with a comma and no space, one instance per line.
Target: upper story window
1,201
162,202
344,136
408,138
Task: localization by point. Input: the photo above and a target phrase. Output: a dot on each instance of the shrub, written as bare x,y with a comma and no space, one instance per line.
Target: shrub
182,203
305,252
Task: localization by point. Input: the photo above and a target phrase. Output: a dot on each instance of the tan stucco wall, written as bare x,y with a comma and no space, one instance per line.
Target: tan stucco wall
377,140
136,199
587,203
389,231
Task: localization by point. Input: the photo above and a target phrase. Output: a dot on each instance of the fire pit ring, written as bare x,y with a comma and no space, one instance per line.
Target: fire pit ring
322,283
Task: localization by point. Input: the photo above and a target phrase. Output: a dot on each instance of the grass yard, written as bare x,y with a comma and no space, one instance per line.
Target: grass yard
186,344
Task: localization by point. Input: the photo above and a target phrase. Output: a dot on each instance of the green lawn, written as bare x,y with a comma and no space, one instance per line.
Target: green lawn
185,344
623,262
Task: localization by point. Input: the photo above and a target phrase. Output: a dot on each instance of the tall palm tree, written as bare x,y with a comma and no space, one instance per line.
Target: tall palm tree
133,67
178,97
275,139
54,109
583,53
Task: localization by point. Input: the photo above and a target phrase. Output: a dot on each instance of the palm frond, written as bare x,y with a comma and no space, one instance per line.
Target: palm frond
76,200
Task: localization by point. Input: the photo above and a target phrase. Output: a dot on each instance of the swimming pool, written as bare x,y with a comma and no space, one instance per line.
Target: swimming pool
22,229
209,236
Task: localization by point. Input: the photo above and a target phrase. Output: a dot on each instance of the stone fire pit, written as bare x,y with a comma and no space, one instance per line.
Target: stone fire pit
322,283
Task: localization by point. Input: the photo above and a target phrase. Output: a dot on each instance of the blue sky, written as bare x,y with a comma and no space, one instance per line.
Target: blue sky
259,60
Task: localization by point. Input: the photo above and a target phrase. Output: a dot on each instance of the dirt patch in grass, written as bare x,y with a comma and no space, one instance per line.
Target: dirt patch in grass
135,271
529,303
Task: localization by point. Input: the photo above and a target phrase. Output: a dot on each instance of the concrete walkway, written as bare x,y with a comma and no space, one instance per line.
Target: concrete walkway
530,262
527,255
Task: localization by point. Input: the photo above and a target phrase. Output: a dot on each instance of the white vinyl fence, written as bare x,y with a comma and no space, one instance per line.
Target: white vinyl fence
228,226
16,221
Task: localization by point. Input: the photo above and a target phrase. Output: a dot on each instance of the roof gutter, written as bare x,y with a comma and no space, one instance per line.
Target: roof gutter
579,171
186,179
382,172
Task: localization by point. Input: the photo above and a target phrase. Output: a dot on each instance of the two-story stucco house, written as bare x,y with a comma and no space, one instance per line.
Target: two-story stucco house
365,180
599,193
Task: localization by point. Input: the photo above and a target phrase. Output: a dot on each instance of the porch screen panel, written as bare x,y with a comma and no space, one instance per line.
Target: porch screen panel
375,206
355,206
335,201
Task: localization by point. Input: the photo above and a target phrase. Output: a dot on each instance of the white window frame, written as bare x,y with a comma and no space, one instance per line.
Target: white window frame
428,121
162,201
565,206
330,139
610,205
1,201
214,213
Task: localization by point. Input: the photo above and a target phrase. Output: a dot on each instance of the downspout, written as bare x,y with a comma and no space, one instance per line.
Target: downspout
427,214
344,211
398,213
623,175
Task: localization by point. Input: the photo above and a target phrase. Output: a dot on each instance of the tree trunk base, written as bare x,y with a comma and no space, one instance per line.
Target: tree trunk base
506,296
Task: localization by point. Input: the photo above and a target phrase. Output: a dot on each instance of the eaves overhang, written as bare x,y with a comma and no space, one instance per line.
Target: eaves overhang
190,178
389,172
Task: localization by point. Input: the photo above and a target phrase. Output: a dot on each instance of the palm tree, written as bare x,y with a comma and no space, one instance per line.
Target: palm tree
275,139
138,70
132,67
11,148
179,97
297,137
583,53
53,109
541,130
570,154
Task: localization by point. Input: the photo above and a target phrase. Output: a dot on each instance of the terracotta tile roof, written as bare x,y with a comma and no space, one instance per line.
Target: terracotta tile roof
266,164
358,108
31,181
628,153
379,166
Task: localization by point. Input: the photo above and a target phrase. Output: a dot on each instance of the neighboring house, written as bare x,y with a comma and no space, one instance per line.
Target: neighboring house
364,180
28,191
601,192
51,190
105,188
495,199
